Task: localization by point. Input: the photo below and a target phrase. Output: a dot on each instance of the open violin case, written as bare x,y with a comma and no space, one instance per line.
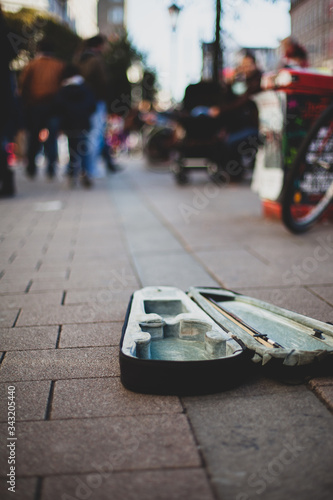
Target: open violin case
207,340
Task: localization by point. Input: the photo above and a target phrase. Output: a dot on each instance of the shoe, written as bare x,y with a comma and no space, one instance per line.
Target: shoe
114,168
8,184
111,166
72,182
50,174
6,194
31,171
86,181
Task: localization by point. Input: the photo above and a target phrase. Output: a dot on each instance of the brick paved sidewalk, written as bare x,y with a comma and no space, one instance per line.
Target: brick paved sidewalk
70,260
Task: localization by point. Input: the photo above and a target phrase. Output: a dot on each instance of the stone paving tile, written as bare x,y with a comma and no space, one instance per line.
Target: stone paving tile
31,300
204,237
51,275
299,299
20,270
112,272
115,443
323,388
64,256
56,364
60,315
91,334
306,266
279,445
143,485
110,297
153,239
256,383
292,245
325,393
91,266
56,261
19,339
101,234
237,267
320,381
325,292
25,489
47,267
119,280
47,286
13,286
105,397
240,234
95,252
30,398
36,275
179,270
8,317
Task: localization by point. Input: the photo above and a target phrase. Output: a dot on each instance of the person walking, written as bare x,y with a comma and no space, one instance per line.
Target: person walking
75,104
39,83
7,110
93,69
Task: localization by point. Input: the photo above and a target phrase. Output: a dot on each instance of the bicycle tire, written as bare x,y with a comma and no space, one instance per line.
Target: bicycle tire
310,167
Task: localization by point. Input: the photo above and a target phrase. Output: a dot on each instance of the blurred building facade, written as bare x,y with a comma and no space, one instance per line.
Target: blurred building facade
111,17
80,16
312,26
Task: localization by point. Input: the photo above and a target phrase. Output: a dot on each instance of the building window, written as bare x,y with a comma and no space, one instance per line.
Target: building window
116,15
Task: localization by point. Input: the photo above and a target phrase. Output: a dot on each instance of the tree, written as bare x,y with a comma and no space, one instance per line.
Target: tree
29,26
218,52
119,57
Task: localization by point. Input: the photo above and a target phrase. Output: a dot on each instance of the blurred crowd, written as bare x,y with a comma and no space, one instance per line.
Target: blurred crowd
50,96
54,97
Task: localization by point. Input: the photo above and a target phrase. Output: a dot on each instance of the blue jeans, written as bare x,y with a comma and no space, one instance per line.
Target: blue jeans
78,153
96,136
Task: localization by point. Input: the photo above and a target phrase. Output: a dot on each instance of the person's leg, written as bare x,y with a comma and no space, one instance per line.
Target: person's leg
7,185
91,145
105,148
106,155
33,121
95,137
51,145
85,157
74,157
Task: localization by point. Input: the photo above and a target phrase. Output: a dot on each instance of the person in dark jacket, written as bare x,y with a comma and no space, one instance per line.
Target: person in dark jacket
93,68
240,111
8,106
75,104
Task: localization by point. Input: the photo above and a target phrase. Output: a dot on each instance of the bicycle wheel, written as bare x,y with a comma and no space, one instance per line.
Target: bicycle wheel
309,186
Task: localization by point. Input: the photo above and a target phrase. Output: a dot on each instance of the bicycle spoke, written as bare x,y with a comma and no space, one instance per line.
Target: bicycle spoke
310,187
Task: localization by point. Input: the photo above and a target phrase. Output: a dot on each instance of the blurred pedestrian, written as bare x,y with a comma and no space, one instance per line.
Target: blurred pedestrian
93,68
240,111
75,104
294,55
7,110
246,80
39,83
